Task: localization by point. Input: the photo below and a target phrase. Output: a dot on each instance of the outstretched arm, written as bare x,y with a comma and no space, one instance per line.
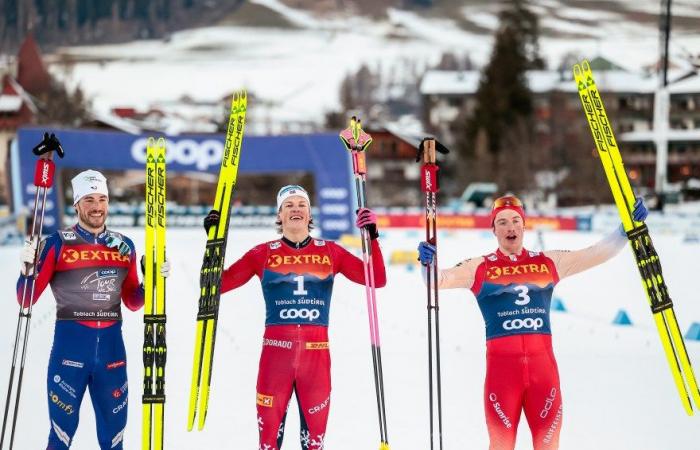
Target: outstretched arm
460,276
244,269
570,263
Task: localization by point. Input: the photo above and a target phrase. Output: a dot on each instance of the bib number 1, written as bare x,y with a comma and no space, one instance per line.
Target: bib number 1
300,286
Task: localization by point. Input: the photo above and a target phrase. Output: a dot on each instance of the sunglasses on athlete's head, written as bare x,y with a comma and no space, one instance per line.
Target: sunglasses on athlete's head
508,200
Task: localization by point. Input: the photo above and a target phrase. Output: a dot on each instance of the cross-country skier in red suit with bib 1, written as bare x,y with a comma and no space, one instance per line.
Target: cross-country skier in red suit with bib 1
296,273
513,287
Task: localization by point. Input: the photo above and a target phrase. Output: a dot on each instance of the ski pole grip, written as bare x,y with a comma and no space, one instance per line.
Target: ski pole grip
429,151
43,174
429,180
359,164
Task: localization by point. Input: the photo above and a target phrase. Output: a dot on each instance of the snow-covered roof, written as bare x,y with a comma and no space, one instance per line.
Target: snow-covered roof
10,103
446,82
690,84
116,122
449,82
672,135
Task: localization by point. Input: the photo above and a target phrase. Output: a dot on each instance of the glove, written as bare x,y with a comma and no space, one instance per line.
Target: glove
211,220
164,268
367,219
640,212
116,242
426,253
26,256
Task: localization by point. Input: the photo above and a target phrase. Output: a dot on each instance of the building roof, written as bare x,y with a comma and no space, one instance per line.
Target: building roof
32,73
448,82
672,135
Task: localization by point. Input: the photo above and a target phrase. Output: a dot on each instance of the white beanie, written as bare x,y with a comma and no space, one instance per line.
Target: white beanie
289,191
88,182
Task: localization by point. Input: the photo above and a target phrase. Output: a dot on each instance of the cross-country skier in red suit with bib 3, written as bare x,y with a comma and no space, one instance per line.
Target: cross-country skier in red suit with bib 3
513,287
296,273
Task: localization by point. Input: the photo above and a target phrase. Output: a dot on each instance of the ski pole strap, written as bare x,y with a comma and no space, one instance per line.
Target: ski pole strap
154,318
354,137
49,144
429,178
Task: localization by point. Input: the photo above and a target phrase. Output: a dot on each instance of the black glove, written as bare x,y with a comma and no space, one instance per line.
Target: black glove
211,220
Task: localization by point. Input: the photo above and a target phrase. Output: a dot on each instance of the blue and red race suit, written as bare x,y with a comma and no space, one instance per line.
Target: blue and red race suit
297,282
89,281
514,294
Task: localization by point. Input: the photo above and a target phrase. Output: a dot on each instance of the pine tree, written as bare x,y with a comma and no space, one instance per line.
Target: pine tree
501,123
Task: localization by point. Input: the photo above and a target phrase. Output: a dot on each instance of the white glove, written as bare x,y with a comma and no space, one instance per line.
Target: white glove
26,256
165,269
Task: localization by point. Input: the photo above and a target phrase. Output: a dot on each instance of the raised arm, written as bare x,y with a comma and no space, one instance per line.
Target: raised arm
570,263
459,276
351,266
244,269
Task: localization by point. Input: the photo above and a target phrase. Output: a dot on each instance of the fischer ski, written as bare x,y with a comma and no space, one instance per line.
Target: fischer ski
430,186
357,141
154,318
645,254
43,181
213,266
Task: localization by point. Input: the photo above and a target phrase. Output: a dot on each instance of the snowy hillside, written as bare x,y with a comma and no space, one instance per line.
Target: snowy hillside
295,68
618,392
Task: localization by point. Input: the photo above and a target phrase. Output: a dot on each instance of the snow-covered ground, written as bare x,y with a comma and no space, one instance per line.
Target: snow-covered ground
296,72
618,392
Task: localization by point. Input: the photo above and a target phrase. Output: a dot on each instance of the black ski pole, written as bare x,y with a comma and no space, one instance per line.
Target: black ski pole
429,185
43,180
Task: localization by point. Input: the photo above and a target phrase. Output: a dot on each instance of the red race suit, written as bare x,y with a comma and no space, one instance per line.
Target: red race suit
297,283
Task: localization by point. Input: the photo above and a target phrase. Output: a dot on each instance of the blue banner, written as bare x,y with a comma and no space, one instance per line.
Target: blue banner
320,154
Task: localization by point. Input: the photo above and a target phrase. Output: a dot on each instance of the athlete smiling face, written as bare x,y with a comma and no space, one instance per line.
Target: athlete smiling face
295,215
92,212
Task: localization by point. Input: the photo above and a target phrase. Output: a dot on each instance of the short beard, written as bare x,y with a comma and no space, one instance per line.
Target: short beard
86,219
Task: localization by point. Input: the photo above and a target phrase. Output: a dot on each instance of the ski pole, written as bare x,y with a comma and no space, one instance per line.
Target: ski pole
357,141
429,185
43,180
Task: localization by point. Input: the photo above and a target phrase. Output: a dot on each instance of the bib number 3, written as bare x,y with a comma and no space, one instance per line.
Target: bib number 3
523,298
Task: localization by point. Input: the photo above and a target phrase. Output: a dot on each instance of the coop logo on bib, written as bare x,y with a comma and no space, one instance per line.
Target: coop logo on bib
303,313
517,324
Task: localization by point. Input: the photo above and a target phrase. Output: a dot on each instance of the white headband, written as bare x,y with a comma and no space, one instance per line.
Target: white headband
289,191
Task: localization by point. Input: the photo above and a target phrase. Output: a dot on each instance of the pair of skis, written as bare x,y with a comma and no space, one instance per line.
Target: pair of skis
154,346
43,182
213,266
645,255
